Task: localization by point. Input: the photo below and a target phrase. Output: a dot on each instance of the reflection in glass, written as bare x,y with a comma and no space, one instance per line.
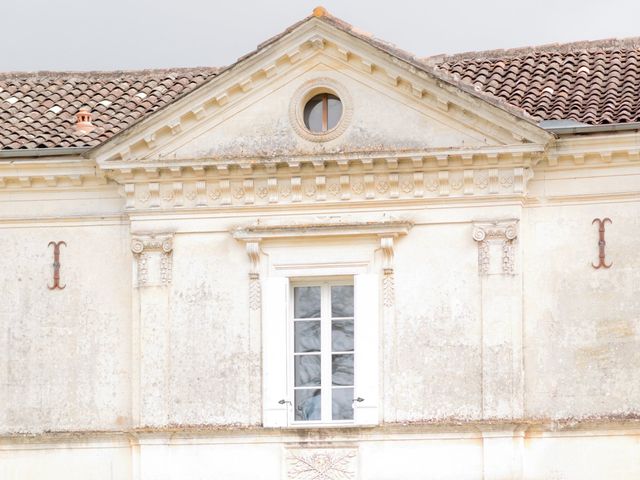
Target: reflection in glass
307,336
342,335
306,302
322,112
313,114
342,301
307,370
307,404
342,404
334,106
342,369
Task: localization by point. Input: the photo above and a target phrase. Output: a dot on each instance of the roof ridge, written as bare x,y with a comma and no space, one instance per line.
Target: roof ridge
68,74
631,43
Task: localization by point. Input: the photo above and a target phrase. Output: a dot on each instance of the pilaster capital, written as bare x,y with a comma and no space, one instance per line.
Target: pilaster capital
148,242
498,230
496,234
153,258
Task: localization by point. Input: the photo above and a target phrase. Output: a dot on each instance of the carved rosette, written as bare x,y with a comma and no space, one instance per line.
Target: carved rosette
322,464
153,254
502,233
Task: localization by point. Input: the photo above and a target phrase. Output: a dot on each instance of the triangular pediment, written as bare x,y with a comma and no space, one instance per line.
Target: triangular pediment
251,111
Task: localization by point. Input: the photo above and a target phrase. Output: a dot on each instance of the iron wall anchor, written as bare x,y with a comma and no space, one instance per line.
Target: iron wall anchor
601,243
56,266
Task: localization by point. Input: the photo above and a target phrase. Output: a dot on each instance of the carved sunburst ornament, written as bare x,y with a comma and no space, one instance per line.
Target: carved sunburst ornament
322,465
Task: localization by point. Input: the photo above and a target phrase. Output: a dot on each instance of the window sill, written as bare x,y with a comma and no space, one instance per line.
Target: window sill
325,426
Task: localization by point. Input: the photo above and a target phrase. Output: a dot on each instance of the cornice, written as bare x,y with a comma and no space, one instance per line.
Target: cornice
449,428
347,177
587,150
381,228
43,173
582,199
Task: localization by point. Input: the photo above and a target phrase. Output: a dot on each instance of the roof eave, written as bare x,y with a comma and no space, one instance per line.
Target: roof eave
44,152
585,129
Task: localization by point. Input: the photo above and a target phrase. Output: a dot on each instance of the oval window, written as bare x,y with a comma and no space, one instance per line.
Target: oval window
322,112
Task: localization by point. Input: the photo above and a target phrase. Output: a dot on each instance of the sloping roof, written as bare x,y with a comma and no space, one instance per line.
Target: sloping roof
593,82
37,110
590,82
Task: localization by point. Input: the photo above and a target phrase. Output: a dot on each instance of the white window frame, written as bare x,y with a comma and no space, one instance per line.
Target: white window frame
326,351
358,258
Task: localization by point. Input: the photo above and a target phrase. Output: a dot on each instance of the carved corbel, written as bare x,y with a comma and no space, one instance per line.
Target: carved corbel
253,251
499,234
388,282
153,254
386,244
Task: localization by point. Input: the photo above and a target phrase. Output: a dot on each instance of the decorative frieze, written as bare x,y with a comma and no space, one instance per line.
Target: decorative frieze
322,464
494,237
309,186
153,254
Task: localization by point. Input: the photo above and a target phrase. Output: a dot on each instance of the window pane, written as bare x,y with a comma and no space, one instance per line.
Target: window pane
335,111
313,114
342,335
306,302
307,404
342,369
342,404
307,336
342,301
307,370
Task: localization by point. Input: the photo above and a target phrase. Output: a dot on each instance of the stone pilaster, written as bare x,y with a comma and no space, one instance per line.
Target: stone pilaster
153,259
501,291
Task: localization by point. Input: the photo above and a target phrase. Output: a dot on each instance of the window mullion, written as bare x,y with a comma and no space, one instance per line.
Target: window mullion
325,346
325,112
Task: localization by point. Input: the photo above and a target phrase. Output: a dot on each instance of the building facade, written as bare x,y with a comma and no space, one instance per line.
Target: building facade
330,260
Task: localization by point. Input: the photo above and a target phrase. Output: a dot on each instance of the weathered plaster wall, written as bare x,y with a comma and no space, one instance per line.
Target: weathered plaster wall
582,328
379,454
68,459
214,364
435,370
65,354
580,350
90,202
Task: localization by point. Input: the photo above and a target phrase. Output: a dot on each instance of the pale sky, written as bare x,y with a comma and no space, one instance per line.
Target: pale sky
136,34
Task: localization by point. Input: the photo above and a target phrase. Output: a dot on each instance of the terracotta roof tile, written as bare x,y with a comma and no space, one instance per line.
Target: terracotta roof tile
41,112
590,82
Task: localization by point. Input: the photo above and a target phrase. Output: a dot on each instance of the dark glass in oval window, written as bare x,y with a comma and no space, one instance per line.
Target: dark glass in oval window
322,112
